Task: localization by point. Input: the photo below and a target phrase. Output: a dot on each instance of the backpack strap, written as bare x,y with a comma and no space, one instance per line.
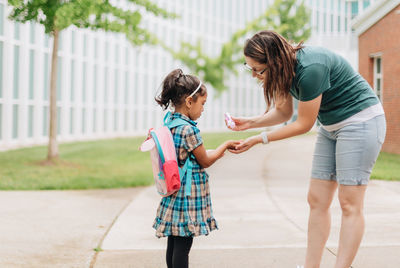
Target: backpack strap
157,142
187,168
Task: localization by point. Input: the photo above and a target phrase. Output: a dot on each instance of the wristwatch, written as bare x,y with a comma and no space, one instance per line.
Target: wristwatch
264,137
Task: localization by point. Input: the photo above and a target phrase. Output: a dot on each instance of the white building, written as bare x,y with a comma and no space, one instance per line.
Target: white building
106,87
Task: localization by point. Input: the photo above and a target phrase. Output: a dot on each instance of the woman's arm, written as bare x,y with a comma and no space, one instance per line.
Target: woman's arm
307,114
207,158
281,113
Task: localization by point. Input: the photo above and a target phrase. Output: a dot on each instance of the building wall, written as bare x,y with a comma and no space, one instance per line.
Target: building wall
383,37
106,87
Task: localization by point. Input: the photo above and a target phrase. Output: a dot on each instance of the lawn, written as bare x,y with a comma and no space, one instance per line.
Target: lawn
113,163
100,164
387,167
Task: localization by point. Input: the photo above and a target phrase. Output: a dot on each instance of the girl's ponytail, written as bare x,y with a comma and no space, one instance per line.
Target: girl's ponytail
175,87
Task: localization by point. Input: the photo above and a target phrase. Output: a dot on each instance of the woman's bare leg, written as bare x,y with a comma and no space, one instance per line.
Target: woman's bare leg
320,197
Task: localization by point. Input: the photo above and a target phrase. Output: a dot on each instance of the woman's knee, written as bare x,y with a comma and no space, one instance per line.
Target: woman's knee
317,201
349,207
320,194
351,199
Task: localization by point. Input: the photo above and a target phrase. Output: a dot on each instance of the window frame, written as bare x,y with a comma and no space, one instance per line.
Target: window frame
375,57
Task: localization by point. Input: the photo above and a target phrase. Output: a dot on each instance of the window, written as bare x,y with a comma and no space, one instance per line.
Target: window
96,48
46,40
354,9
105,84
116,54
126,87
58,120
106,51
84,72
94,121
126,56
1,123
378,76
16,30
105,120
126,120
73,42
95,83
31,123
31,73
1,19
116,85
71,120
45,121
85,45
72,96
32,32
115,120
59,81
46,77
1,69
15,121
16,72
83,121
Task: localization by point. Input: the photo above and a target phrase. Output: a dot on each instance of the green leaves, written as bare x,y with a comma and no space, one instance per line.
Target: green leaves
92,14
288,17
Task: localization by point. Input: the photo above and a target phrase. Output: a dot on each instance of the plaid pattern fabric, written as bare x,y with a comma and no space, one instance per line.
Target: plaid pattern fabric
181,215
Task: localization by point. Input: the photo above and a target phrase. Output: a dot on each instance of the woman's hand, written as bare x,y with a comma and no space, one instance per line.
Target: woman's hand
231,144
246,144
241,123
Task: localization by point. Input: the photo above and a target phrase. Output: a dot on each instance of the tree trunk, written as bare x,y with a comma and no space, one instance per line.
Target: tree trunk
53,146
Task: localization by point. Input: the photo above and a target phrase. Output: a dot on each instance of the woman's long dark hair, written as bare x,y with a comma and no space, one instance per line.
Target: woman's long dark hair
176,87
270,48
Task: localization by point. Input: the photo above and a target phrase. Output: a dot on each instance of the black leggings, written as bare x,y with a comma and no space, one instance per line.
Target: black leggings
178,251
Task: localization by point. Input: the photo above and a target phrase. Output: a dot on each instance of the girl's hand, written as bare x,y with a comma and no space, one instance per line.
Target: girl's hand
246,144
231,144
241,123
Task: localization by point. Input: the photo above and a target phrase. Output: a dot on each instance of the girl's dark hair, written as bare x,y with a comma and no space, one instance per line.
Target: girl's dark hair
270,48
176,87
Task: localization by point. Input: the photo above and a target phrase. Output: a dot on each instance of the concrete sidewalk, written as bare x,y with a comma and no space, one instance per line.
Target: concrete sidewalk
259,200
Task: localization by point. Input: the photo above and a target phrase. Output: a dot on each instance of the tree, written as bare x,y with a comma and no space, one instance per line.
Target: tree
58,15
288,17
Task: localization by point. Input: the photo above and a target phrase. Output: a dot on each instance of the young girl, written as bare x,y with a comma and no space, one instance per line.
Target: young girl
181,217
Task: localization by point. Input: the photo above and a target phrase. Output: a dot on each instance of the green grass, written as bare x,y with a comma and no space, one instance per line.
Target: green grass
100,164
387,167
113,163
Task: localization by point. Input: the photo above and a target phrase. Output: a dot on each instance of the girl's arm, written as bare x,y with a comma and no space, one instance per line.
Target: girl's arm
281,113
307,114
207,158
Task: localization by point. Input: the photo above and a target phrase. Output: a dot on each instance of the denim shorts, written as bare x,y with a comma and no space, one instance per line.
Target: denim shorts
347,155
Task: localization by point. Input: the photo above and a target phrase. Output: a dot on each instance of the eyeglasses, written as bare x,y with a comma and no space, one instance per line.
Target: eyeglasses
247,67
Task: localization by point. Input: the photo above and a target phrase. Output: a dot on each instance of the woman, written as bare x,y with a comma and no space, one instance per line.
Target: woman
352,131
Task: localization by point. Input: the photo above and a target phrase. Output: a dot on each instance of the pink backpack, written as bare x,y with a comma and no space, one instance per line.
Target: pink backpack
166,172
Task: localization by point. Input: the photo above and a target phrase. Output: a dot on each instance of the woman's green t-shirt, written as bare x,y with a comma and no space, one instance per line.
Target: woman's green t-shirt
344,91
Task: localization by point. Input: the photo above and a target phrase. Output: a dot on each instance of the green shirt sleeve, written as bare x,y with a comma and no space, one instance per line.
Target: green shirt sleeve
315,80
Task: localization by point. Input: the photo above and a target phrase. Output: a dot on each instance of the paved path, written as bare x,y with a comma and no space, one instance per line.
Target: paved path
259,200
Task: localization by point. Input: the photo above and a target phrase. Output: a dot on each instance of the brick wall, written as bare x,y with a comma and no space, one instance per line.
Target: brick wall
384,37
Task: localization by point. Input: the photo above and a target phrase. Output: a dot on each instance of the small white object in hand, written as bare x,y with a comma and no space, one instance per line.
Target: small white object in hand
229,121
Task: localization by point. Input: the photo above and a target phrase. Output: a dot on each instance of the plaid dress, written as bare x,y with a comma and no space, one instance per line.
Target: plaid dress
181,215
